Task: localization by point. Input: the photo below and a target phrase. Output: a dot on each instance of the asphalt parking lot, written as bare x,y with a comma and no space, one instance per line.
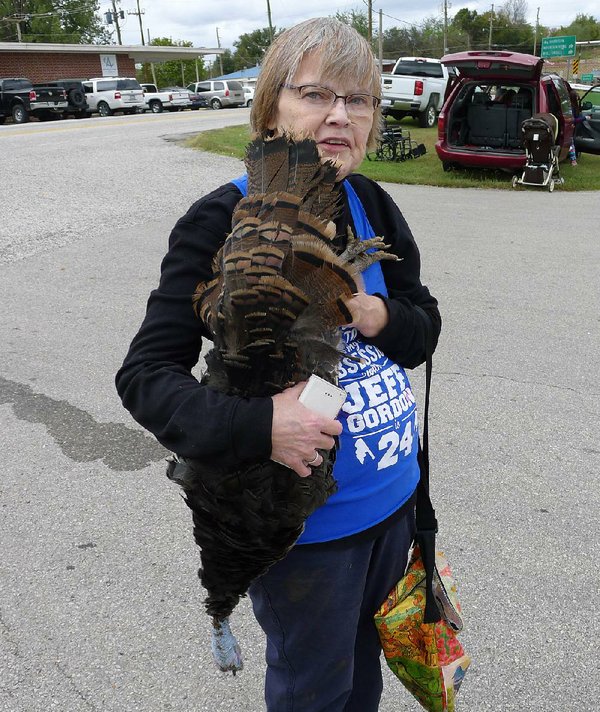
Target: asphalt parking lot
100,607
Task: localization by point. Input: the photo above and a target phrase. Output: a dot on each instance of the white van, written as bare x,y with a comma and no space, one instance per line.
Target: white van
106,95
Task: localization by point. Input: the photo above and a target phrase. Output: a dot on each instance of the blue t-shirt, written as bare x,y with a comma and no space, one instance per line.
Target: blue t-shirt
376,466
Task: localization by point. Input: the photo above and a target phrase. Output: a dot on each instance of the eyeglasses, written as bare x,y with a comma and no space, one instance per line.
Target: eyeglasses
320,98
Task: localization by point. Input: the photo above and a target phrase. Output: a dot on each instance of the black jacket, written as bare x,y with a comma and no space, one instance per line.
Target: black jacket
156,382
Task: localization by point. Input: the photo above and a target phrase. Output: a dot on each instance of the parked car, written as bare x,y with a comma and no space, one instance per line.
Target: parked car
159,100
415,87
194,101
19,99
219,93
248,96
106,95
486,104
587,133
77,104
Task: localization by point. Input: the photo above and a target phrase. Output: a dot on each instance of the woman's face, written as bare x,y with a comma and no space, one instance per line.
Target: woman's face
337,136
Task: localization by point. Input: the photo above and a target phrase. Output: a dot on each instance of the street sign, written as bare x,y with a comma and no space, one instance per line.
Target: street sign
587,78
575,66
558,46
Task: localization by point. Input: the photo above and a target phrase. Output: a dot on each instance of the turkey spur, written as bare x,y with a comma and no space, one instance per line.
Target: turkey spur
274,306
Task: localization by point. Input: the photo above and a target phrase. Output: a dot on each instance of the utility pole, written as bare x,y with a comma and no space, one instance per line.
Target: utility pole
116,21
17,21
370,23
537,24
139,14
445,26
270,25
380,41
491,26
219,46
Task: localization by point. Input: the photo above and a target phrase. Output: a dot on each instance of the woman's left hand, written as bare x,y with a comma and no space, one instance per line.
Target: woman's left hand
369,314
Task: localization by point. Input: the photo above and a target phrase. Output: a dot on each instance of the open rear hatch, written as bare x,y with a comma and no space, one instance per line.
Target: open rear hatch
488,64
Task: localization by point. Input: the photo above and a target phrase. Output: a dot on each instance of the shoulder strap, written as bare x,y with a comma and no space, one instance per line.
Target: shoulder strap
425,514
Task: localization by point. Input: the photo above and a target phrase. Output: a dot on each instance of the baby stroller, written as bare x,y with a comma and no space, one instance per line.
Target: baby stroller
538,135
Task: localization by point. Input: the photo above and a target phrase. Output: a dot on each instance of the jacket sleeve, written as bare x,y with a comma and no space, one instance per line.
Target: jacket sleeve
156,383
412,309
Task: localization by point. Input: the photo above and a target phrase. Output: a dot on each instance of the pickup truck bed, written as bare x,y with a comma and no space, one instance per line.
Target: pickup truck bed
21,100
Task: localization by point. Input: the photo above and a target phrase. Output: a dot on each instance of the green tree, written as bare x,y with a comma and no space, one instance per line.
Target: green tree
251,47
174,72
355,18
59,21
584,27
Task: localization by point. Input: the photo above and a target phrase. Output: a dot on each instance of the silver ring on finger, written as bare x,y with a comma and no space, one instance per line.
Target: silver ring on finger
312,462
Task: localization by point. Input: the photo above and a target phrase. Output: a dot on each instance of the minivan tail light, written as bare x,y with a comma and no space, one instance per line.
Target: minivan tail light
441,125
32,95
226,92
418,87
117,95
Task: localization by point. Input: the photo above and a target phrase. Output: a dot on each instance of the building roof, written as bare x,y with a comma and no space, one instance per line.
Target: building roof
251,73
139,53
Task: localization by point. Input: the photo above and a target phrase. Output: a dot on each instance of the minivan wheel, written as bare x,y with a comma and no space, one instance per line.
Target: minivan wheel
104,109
447,166
215,104
428,117
156,107
19,114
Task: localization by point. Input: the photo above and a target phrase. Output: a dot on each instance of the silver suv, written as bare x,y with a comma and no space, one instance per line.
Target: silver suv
219,92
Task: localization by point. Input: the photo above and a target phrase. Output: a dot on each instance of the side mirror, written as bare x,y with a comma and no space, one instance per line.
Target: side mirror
587,106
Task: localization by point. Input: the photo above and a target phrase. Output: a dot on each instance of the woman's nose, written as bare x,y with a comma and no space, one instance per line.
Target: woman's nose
337,112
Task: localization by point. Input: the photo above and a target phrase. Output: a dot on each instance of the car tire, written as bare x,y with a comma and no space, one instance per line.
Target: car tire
76,98
215,104
447,166
104,109
156,107
2,120
20,114
249,103
427,119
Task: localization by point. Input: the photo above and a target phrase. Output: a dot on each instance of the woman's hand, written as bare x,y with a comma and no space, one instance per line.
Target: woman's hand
297,432
369,314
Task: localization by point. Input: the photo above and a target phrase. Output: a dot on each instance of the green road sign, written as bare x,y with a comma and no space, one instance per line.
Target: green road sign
558,46
587,78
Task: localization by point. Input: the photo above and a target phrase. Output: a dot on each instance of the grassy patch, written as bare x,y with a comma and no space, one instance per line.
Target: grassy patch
426,170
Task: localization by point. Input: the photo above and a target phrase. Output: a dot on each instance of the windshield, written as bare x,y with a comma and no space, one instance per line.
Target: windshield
416,68
128,84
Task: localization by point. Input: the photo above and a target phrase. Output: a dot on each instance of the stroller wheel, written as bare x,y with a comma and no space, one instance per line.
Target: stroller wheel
551,185
515,181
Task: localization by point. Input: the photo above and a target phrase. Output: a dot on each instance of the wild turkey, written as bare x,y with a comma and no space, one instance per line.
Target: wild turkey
274,308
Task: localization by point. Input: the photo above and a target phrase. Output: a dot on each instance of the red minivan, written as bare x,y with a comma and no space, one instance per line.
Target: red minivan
495,91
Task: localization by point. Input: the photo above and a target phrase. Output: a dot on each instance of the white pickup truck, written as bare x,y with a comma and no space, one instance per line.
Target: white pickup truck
158,101
415,87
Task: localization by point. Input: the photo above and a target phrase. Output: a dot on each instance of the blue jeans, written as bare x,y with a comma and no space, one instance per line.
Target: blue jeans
316,608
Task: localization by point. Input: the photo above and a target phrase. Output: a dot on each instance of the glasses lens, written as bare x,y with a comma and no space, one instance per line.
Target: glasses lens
320,98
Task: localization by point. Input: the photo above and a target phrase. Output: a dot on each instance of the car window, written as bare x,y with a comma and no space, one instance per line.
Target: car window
106,85
219,86
203,86
591,100
235,86
88,88
415,68
130,84
553,100
565,99
16,84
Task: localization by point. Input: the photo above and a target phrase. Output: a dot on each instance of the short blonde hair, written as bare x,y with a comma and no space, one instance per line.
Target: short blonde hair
344,56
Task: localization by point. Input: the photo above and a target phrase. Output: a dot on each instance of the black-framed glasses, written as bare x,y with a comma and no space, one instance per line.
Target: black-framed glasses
321,98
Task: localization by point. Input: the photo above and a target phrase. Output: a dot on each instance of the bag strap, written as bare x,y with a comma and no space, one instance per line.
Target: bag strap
427,526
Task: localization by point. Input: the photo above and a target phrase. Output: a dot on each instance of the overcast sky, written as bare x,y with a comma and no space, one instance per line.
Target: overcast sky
197,20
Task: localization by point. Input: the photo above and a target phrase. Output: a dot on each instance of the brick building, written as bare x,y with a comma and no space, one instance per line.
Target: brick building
42,62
